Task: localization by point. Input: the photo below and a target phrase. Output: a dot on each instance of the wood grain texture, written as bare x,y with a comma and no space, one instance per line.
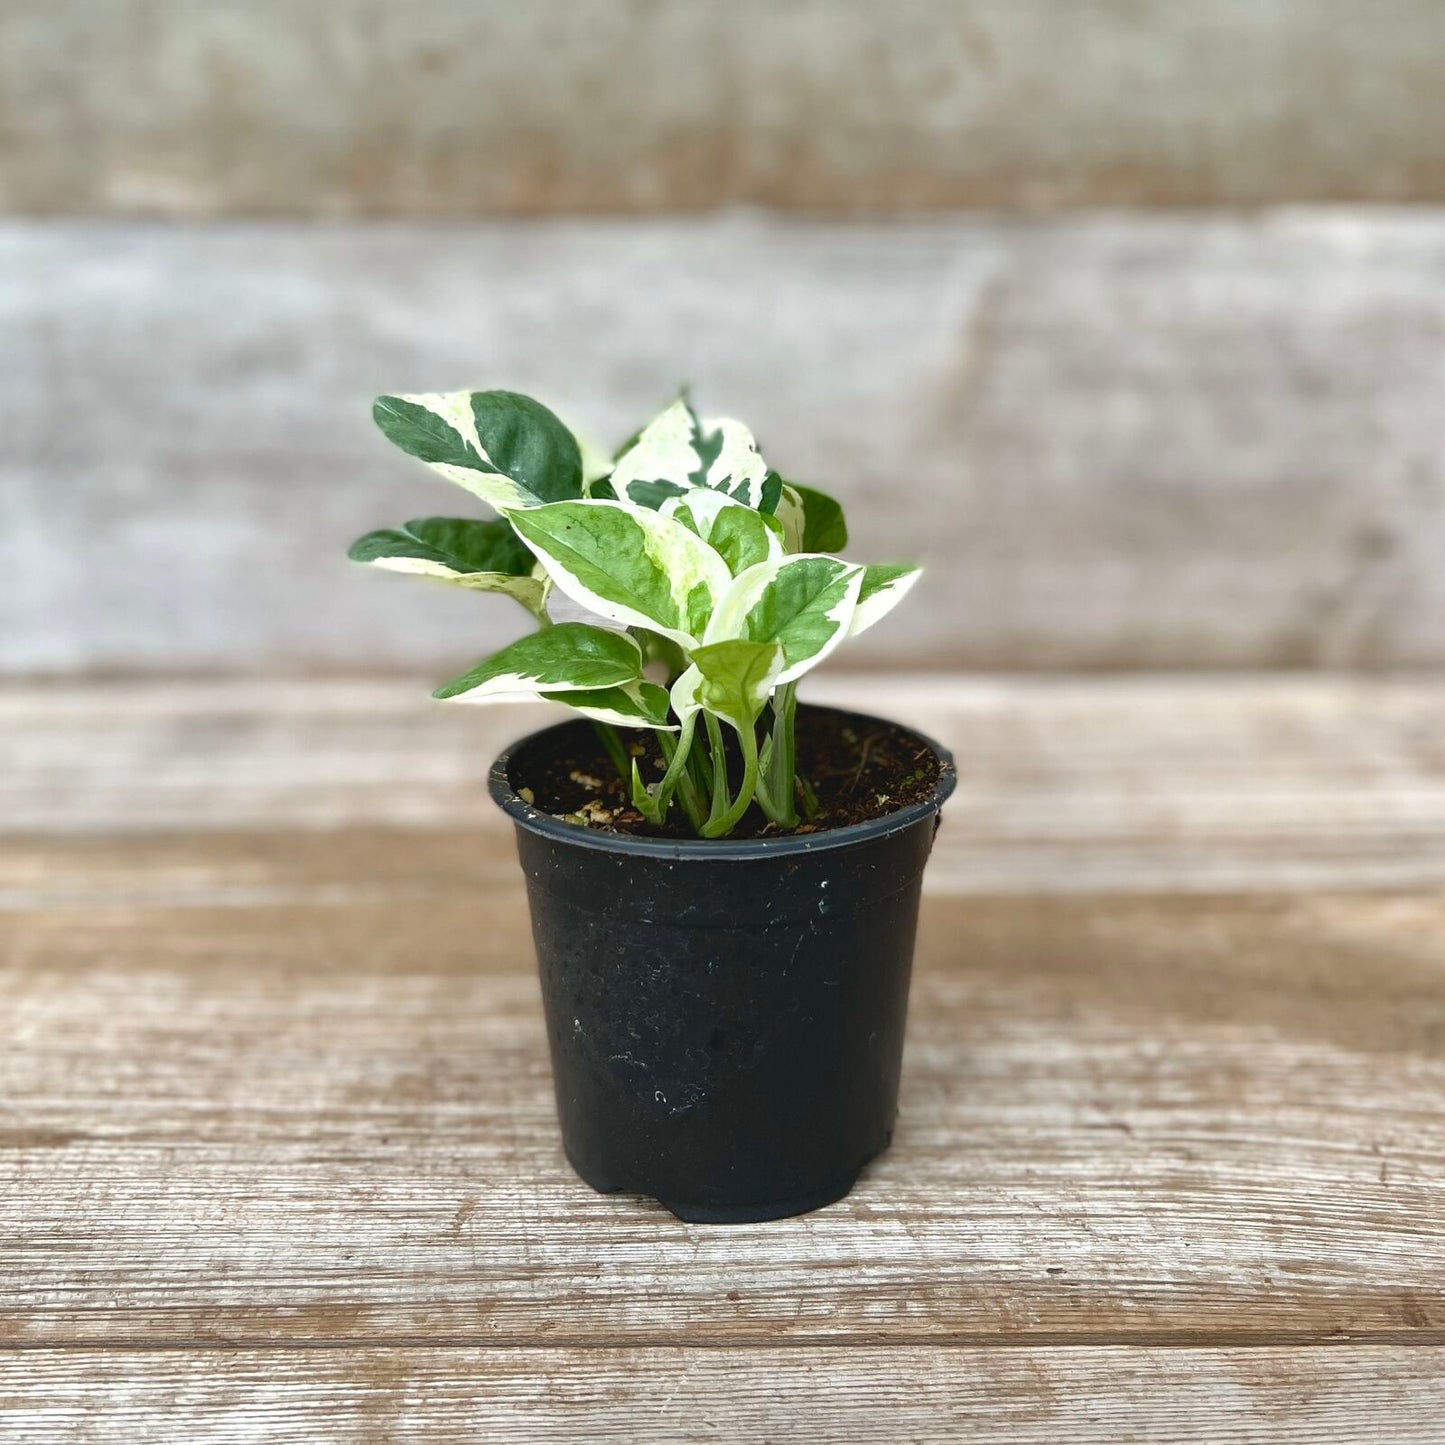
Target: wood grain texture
468,107
1246,783
306,1097
278,1158
1116,442
810,1396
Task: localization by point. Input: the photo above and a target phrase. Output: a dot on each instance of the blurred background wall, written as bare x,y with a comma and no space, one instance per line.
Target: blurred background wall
1127,316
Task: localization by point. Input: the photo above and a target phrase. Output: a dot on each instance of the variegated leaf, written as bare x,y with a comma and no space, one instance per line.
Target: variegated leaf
570,656
507,449
628,564
637,705
812,520
804,603
736,678
464,551
882,590
741,536
677,451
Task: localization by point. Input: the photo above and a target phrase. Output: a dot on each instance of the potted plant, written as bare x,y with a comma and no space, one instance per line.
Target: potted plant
723,884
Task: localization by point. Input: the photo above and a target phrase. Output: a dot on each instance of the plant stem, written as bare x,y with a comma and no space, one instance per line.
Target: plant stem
720,800
720,826
776,784
675,778
608,736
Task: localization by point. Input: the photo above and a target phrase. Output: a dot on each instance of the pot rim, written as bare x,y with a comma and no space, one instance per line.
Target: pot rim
699,850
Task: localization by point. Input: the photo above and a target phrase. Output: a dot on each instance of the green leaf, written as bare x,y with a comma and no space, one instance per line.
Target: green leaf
507,449
738,534
570,656
446,546
464,551
630,565
423,428
737,678
884,587
805,604
812,520
824,529
638,705
677,450
772,494
527,442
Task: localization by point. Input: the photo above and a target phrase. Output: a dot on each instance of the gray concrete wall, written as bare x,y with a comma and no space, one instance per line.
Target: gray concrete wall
482,107
1115,441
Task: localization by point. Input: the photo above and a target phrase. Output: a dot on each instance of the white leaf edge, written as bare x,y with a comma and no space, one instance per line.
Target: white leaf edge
747,587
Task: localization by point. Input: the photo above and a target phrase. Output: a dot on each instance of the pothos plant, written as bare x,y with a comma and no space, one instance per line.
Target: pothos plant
714,583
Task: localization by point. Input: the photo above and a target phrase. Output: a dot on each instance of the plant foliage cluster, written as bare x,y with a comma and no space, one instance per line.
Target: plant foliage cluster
714,584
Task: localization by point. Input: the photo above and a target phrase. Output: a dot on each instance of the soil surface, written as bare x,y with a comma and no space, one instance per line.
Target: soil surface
858,768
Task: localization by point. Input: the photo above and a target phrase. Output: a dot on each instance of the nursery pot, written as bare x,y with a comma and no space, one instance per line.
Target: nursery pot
725,1016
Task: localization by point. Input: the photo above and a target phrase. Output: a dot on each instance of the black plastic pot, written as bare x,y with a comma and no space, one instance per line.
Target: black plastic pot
725,1017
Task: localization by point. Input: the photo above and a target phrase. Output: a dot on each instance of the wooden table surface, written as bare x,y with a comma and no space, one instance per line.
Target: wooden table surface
277,1153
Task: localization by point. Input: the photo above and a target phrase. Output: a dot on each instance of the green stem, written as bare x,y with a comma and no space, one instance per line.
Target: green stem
721,826
654,805
776,785
608,736
720,800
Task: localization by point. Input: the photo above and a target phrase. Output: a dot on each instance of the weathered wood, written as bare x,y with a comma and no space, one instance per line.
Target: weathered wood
277,1151
293,1087
461,107
812,1396
1116,442
1082,785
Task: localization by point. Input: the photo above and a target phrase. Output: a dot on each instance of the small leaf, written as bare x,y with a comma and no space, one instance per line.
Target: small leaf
812,520
882,590
630,565
527,442
571,656
824,529
448,546
507,449
678,450
638,705
805,604
463,551
739,535
427,428
737,678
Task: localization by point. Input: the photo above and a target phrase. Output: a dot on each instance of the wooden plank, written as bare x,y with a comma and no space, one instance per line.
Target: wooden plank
1015,1397
463,107
293,1087
1117,442
1085,785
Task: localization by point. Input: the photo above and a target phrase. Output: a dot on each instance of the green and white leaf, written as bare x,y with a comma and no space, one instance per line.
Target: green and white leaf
677,451
805,604
571,656
464,551
636,705
507,449
735,679
628,564
740,535
883,588
812,520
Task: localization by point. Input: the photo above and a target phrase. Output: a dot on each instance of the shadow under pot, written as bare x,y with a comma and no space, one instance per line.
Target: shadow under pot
725,1017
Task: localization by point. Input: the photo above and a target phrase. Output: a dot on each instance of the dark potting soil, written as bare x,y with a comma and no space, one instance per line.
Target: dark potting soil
858,770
